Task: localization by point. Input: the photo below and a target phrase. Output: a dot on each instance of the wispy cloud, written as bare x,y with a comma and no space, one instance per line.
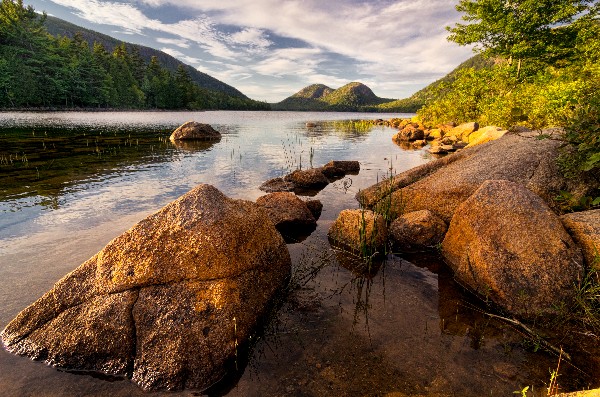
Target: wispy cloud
178,42
395,46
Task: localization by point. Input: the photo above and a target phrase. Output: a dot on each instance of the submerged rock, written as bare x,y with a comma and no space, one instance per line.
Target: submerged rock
290,215
167,302
195,131
277,185
315,207
584,227
506,244
310,180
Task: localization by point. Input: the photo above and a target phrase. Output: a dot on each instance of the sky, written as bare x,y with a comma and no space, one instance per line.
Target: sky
270,49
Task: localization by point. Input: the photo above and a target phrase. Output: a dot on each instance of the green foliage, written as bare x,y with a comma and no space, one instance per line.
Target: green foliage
519,29
572,203
582,131
39,70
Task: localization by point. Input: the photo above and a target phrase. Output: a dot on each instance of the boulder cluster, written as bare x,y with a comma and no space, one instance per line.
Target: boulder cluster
312,179
445,138
491,211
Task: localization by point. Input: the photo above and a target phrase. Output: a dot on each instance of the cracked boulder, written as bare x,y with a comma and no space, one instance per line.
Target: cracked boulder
168,302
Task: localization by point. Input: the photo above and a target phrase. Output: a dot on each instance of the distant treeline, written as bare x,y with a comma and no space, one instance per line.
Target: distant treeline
40,70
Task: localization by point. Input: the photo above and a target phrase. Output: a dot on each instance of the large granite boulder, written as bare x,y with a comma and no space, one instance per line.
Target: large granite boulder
362,232
417,231
506,244
290,215
584,227
442,185
167,302
192,130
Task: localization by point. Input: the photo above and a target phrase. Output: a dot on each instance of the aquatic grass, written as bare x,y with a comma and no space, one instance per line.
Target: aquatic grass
353,127
587,297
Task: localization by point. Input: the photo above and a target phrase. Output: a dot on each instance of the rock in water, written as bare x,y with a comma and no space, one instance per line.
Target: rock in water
505,243
359,231
290,215
195,131
417,230
168,301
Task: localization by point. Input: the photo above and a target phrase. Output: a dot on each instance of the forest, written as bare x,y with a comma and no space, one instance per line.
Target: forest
38,70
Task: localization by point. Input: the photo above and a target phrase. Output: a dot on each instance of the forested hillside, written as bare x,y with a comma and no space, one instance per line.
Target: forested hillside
58,27
40,70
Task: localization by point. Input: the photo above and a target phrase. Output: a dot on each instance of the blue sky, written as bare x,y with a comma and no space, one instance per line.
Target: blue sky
270,49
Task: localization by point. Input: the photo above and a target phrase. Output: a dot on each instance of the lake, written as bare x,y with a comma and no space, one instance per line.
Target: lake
70,182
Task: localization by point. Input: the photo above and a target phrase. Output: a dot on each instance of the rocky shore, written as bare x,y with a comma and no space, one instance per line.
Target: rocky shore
168,302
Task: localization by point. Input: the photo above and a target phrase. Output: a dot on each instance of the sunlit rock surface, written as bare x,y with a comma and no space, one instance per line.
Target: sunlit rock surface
506,244
192,130
167,302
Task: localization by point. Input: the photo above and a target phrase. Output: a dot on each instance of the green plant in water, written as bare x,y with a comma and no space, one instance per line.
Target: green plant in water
522,392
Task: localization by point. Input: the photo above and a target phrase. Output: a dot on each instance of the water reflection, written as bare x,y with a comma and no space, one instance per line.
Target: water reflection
423,336
195,146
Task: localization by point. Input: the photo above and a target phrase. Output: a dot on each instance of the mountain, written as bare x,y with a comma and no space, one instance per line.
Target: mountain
59,27
418,99
359,97
318,97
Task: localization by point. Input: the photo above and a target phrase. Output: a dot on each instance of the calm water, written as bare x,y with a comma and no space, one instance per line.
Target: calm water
70,182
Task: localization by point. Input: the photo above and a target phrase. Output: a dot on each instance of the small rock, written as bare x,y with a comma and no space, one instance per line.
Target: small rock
411,132
289,214
463,131
277,185
357,230
195,131
311,178
417,230
437,149
340,168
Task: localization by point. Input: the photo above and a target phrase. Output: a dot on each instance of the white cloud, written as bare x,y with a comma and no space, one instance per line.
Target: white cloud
395,46
109,13
250,36
178,42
